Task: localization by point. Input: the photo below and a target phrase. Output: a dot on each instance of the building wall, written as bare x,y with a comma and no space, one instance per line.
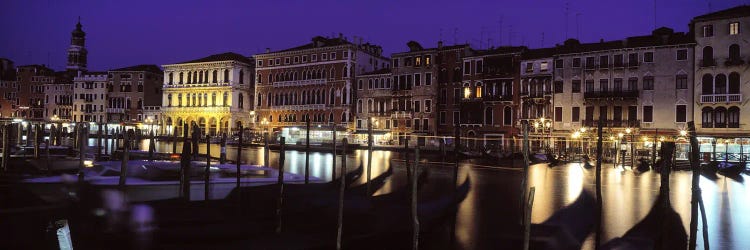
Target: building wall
415,99
374,103
58,102
203,101
31,90
707,77
450,87
141,88
90,98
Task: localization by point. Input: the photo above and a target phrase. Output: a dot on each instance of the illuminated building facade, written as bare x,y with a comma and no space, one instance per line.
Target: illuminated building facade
90,97
536,93
450,86
312,81
214,92
58,98
489,98
31,81
8,89
130,89
374,91
638,84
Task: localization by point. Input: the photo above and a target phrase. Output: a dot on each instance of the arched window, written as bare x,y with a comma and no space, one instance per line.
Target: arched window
260,100
205,99
333,73
359,106
708,84
343,117
360,85
170,78
707,117
734,83
323,73
370,107
181,77
179,100
734,52
479,90
200,77
190,77
213,99
345,72
330,117
259,78
226,99
205,79
322,96
269,102
720,117
733,117
226,75
240,101
488,116
242,77
169,100
333,97
708,56
507,116
720,84
215,77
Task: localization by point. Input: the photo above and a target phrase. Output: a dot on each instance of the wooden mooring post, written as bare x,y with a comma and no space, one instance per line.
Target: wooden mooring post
307,151
207,171
528,206
185,159
238,160
525,175
333,167
414,215
124,160
369,155
598,215
342,188
280,183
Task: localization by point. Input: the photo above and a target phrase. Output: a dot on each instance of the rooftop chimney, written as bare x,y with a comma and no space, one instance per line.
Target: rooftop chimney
268,50
440,44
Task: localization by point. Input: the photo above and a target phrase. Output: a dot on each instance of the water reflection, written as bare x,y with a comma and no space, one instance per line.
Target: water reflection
491,207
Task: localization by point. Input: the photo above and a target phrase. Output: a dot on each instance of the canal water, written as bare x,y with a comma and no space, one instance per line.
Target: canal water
490,210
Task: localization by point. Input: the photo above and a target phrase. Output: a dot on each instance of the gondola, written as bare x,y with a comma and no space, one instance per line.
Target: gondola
661,229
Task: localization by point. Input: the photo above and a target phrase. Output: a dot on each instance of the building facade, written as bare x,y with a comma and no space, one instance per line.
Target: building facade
31,81
450,86
58,98
130,89
535,107
312,81
214,92
90,97
8,89
374,105
635,86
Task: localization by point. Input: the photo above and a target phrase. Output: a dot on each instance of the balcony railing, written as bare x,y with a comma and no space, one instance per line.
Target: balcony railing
194,85
707,63
502,98
536,94
613,123
299,107
299,83
734,61
116,110
721,98
611,94
197,109
401,114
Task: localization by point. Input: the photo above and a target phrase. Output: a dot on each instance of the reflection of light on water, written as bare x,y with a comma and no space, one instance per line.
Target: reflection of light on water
468,215
574,183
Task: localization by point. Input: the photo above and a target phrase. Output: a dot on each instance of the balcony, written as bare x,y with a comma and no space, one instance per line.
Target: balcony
218,109
708,63
498,98
613,123
401,114
537,94
192,85
299,83
633,65
88,100
721,98
734,62
611,94
116,110
299,107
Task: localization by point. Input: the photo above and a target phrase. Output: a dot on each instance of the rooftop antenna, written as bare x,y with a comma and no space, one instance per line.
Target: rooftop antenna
500,32
440,38
510,34
566,19
481,36
578,27
541,45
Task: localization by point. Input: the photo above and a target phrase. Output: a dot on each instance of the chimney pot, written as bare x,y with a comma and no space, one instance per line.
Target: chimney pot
268,50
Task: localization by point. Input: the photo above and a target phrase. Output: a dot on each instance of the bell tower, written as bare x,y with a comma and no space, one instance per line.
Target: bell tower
77,54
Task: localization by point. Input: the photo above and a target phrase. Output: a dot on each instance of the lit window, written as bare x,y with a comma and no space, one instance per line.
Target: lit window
418,61
467,92
427,59
734,28
479,91
544,66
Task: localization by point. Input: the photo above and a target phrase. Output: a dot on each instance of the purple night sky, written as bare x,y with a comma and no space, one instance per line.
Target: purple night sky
163,32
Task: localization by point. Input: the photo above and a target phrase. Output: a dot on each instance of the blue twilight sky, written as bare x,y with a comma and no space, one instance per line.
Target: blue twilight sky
126,33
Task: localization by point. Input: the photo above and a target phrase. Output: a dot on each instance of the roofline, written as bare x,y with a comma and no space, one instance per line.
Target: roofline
627,48
175,64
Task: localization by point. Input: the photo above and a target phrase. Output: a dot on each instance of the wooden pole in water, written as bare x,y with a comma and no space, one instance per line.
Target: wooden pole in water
20,133
207,173
342,187
525,169
77,136
196,139
124,161
239,154
29,127
152,146
185,159
6,146
307,152
99,142
106,137
113,142
529,204
696,195
406,158
174,140
37,133
599,148
414,215
223,150
456,152
333,167
46,152
266,152
369,155
653,150
81,153
280,182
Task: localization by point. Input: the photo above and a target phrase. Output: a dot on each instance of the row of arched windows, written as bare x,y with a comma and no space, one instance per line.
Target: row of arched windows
200,100
377,83
317,117
720,117
303,75
708,54
304,97
718,84
202,76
